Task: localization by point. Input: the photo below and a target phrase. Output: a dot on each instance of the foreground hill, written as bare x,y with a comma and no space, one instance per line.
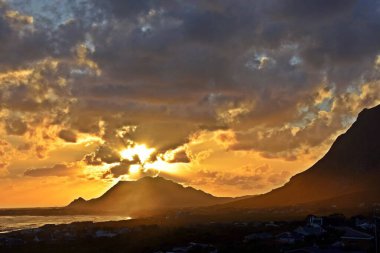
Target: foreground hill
147,195
350,168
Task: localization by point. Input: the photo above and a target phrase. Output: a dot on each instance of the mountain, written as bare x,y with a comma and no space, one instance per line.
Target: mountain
350,168
148,195
346,176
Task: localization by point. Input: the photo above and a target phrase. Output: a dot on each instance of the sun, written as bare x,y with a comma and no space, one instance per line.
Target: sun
134,169
139,150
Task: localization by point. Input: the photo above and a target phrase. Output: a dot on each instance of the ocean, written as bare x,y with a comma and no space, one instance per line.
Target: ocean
13,223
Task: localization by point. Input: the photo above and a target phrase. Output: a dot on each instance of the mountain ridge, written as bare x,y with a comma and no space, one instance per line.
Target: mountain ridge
351,165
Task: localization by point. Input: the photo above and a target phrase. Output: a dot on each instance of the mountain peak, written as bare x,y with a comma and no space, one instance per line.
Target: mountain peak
77,201
370,112
147,180
147,194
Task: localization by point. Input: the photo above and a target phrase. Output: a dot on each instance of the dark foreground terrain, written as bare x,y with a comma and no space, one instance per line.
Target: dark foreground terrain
333,233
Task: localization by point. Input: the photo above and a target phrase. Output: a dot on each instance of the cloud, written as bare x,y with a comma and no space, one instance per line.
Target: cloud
15,126
234,92
123,168
314,128
178,155
247,178
67,135
275,77
104,154
6,153
58,170
119,170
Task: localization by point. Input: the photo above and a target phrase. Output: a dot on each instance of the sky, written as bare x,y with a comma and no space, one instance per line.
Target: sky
232,97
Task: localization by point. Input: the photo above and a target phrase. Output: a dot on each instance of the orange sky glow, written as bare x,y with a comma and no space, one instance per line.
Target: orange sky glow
92,93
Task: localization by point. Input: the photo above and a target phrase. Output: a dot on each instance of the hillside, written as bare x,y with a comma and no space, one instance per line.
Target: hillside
351,166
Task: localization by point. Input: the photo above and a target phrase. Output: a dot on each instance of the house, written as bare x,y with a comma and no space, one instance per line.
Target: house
102,233
310,230
10,242
315,221
355,239
315,249
366,226
257,236
271,224
289,238
363,223
241,224
194,247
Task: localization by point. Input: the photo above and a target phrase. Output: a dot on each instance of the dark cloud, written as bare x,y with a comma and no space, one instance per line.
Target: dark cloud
180,157
312,10
15,126
196,50
125,9
104,154
121,169
58,170
206,59
172,68
68,135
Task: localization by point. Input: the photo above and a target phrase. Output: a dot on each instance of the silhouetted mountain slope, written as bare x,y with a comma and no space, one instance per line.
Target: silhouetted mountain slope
352,165
147,194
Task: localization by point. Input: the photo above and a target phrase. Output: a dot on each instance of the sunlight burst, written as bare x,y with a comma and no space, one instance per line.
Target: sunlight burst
140,150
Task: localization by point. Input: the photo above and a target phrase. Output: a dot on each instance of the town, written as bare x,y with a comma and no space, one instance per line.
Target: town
332,233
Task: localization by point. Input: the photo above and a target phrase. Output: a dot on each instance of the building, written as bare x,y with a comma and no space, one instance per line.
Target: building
357,240
315,221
